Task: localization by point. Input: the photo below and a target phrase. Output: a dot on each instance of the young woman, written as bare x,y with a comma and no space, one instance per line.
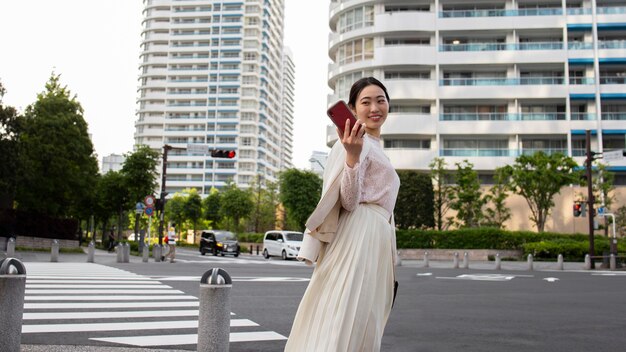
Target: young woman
351,237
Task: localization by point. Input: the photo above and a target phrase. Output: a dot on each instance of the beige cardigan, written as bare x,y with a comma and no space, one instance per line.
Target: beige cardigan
321,226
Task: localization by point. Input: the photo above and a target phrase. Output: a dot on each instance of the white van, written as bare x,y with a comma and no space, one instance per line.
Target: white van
285,244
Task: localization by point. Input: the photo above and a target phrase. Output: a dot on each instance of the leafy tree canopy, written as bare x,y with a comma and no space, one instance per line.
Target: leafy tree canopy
10,129
299,192
538,178
414,206
140,172
58,165
236,204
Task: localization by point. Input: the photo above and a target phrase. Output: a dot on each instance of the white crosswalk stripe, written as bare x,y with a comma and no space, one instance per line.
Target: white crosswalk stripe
62,299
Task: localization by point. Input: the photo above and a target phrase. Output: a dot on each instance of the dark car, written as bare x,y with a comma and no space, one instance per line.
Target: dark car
219,242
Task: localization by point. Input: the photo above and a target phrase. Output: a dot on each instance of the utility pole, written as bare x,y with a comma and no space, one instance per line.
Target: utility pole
590,198
161,207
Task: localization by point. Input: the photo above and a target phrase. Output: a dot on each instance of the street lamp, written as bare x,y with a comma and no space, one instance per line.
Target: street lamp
313,160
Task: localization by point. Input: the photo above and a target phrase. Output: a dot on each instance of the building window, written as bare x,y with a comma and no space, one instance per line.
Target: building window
407,143
357,50
356,18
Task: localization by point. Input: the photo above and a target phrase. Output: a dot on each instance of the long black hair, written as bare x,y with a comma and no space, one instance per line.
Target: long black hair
359,85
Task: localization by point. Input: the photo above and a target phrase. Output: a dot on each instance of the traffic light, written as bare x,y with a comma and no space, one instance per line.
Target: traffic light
578,209
218,153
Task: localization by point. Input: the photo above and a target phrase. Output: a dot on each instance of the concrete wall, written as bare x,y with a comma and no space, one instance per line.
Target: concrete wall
36,242
448,254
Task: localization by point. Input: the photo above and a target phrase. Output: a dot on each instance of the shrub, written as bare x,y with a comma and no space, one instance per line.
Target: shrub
250,237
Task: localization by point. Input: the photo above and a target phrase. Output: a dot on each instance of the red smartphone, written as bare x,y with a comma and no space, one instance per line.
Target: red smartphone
339,113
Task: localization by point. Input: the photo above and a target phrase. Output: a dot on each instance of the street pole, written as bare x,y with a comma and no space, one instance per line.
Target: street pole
166,148
590,198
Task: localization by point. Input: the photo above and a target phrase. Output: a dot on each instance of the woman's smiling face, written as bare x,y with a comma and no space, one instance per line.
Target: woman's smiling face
372,108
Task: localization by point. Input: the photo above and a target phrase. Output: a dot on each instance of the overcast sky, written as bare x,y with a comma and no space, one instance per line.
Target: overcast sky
94,46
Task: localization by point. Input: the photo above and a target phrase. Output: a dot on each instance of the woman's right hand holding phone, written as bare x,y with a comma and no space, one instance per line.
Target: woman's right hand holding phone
352,140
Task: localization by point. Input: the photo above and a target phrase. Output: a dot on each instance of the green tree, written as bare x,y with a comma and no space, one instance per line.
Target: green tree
58,165
620,220
442,191
265,199
414,206
467,198
498,213
211,205
10,129
300,192
538,178
192,208
236,204
175,210
602,187
112,199
139,170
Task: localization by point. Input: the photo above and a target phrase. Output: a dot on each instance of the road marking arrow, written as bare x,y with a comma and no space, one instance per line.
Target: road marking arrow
551,279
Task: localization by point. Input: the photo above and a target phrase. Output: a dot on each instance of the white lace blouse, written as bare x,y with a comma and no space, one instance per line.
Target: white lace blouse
373,180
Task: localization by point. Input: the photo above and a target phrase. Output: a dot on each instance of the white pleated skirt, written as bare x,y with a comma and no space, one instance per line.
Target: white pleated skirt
348,300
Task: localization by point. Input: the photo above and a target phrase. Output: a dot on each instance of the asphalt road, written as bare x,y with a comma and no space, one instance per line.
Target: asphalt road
437,309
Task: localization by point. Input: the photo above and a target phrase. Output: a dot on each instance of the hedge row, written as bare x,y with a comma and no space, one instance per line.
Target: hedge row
544,245
476,238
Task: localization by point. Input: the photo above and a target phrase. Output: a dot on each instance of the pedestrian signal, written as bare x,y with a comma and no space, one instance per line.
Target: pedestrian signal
228,154
578,209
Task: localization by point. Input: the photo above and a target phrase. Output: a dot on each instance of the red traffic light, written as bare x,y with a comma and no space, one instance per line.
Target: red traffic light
228,154
578,209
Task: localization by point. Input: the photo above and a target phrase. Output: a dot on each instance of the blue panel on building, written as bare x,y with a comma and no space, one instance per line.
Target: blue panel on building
582,96
583,132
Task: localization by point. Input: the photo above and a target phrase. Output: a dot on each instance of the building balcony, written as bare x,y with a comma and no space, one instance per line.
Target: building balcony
501,46
407,159
504,127
557,11
516,88
409,124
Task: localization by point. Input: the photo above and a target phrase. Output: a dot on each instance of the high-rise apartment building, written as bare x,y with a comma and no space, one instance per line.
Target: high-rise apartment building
216,72
487,80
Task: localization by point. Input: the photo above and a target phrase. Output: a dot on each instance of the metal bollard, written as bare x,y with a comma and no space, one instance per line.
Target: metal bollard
54,251
559,262
119,249
530,262
251,249
613,263
214,312
157,250
146,253
126,253
465,260
399,262
11,248
455,261
257,250
498,262
91,250
587,262
426,263
12,289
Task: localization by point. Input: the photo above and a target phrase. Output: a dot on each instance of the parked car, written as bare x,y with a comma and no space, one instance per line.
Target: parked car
285,244
219,242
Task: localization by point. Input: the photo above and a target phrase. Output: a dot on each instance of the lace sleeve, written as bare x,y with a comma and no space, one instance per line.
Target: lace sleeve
351,182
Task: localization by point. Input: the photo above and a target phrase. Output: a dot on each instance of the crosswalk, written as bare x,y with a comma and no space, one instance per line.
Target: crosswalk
113,306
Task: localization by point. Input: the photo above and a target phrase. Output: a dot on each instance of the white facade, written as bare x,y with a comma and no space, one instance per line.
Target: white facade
112,162
216,73
487,80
